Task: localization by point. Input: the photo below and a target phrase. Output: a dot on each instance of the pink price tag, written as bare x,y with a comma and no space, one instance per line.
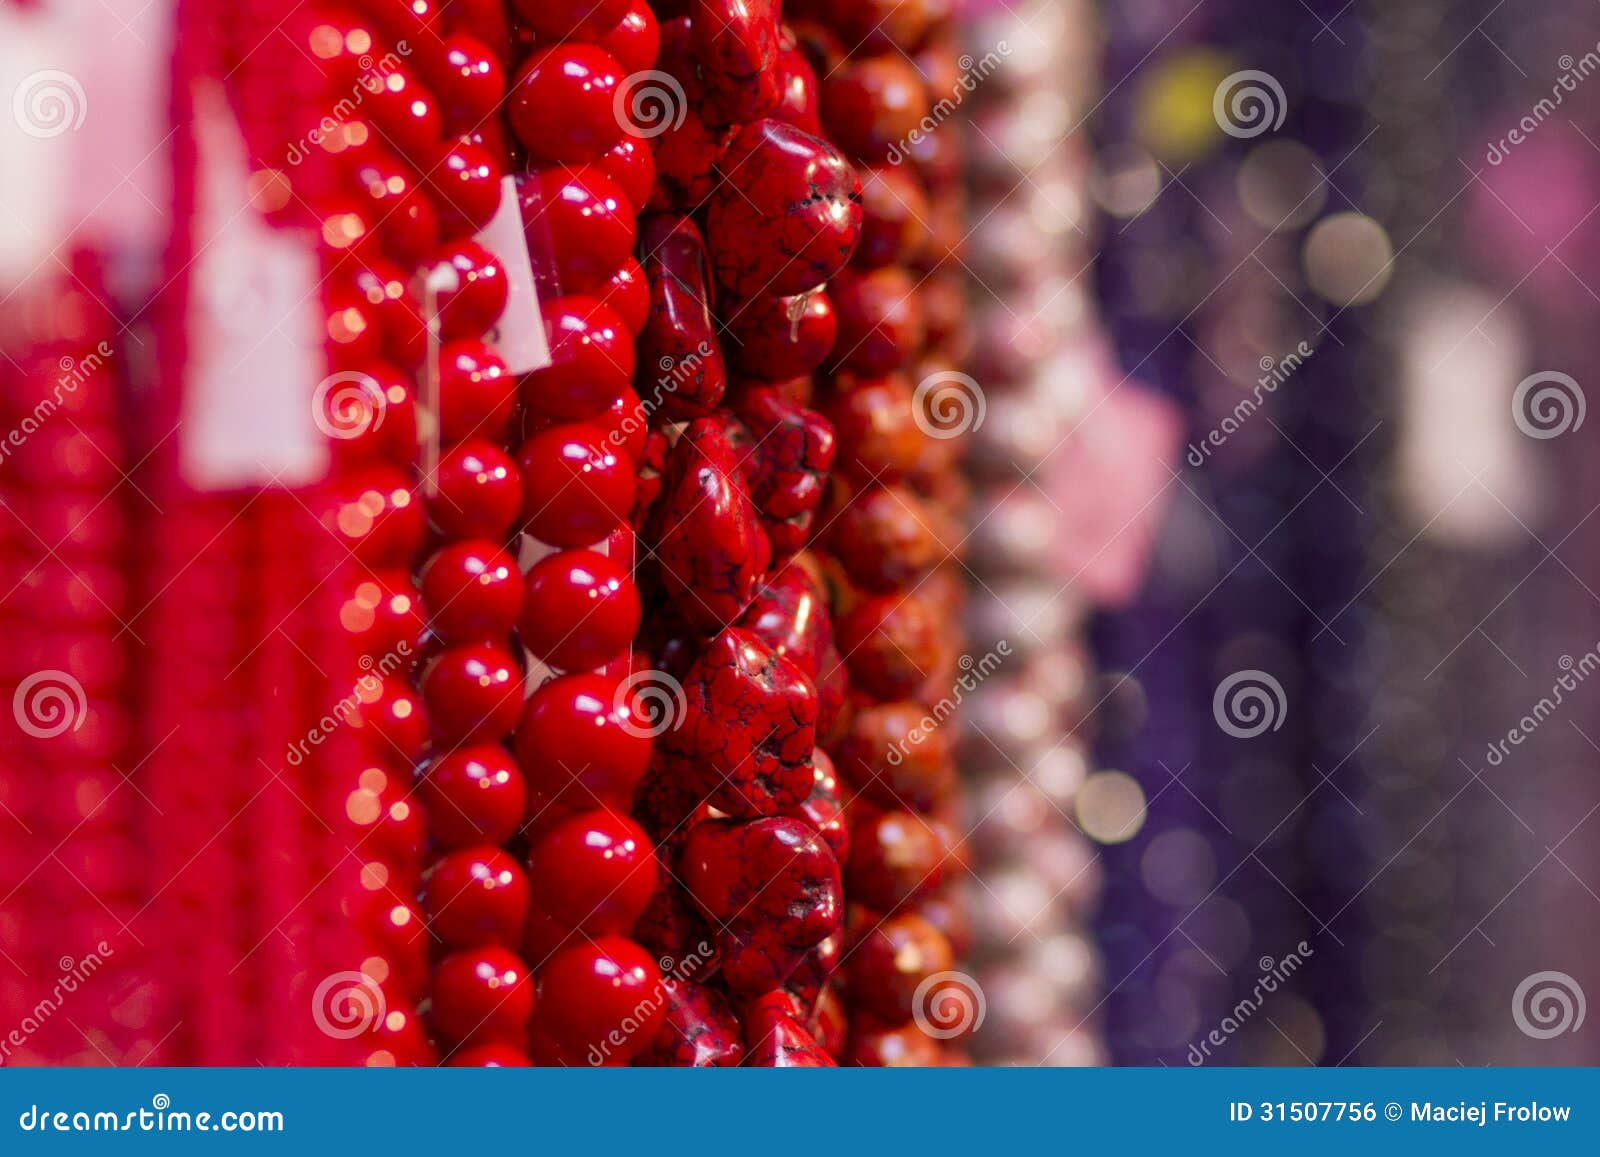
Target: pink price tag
1112,479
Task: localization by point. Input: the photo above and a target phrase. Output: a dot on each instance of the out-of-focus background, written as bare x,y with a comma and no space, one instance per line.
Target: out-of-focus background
1353,243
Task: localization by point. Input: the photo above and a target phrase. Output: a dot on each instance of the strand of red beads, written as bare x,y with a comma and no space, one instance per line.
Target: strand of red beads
580,740
894,523
752,212
421,165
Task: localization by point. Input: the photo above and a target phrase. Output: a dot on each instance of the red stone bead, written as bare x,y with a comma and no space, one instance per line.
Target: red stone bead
405,114
397,1038
582,743
486,19
797,90
823,809
584,219
491,1056
712,549
581,610
631,164
628,293
894,217
473,692
469,81
393,709
602,999
895,857
482,996
576,487
594,872
871,27
635,40
383,616
466,186
774,338
897,756
894,642
473,591
475,897
407,223
570,19
785,464
787,215
872,105
380,289
876,423
477,395
816,969
879,319
478,492
790,615
473,307
878,1045
700,1031
735,45
889,960
884,537
775,1037
475,795
592,352
377,517
627,424
561,104
771,887
680,356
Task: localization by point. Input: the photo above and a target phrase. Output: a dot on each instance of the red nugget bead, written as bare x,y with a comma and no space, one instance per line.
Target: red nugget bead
581,610
735,44
786,216
712,549
894,643
700,1032
473,692
602,1000
482,996
594,872
879,319
561,104
680,357
775,1037
775,338
895,856
890,960
748,728
476,897
577,487
771,886
473,591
